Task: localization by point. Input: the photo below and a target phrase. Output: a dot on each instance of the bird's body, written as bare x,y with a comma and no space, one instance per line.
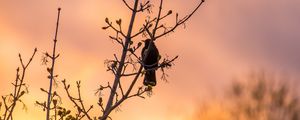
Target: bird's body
150,57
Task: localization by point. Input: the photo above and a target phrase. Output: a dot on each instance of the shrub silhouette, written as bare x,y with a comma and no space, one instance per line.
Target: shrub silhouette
260,96
264,97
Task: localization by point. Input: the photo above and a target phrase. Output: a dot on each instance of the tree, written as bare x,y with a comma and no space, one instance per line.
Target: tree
130,42
264,98
152,30
258,97
129,64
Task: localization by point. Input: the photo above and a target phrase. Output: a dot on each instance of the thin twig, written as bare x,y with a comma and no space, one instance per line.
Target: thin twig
180,22
18,92
78,102
53,58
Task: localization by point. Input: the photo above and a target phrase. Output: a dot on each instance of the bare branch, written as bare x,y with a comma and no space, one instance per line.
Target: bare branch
120,67
78,102
20,89
181,21
124,1
54,57
114,28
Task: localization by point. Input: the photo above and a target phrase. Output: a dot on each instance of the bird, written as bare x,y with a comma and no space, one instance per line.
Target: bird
150,58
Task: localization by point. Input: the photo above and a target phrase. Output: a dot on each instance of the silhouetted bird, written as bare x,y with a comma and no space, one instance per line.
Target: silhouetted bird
150,57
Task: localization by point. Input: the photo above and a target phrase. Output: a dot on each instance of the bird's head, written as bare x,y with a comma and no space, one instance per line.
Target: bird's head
147,42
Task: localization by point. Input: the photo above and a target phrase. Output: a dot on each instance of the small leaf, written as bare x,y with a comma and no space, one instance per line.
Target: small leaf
176,17
59,113
104,28
150,25
68,112
106,20
100,100
130,50
119,21
47,54
49,70
55,102
22,93
139,44
42,89
170,12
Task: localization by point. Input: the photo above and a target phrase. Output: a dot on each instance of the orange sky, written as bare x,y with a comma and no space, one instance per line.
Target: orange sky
225,38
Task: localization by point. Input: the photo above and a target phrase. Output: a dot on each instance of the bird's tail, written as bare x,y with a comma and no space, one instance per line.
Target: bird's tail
150,78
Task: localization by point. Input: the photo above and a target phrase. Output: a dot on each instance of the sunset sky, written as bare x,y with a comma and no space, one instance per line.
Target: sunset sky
223,40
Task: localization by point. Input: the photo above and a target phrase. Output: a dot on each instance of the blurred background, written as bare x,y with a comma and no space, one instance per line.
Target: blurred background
225,41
